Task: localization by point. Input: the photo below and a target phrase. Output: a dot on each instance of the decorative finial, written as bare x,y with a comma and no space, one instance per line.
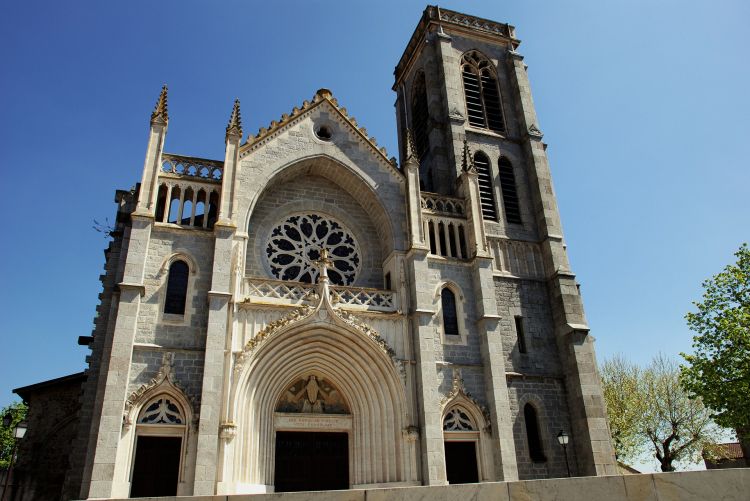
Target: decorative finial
411,148
160,115
234,127
467,162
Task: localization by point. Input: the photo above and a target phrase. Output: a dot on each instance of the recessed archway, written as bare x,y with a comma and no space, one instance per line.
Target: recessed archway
363,373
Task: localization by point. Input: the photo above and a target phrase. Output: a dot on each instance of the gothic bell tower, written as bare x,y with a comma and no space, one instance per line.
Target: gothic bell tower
469,138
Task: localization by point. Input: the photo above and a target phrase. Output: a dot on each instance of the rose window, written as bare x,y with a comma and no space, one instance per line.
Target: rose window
295,244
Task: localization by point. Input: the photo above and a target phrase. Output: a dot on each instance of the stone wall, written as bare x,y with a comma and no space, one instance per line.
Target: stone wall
727,485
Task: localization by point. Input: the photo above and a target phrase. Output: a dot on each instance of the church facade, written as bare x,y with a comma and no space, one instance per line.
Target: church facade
309,313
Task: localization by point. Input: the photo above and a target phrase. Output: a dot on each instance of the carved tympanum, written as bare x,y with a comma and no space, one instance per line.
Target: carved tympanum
312,394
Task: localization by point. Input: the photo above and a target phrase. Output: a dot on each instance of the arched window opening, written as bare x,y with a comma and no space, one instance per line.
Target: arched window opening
536,452
441,240
483,104
200,210
510,194
213,207
177,284
431,231
161,202
486,191
450,317
520,335
174,205
420,115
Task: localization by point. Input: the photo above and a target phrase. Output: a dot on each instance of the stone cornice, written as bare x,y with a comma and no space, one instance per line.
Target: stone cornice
439,17
131,286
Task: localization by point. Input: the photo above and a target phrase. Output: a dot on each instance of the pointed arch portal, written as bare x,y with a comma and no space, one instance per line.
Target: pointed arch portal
321,383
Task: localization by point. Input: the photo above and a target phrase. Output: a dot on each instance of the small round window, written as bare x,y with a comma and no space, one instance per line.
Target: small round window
323,132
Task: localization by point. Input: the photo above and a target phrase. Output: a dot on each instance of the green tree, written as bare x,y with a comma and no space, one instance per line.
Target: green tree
719,369
621,381
651,414
18,411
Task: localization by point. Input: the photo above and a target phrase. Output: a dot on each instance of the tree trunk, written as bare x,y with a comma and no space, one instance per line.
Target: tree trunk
743,436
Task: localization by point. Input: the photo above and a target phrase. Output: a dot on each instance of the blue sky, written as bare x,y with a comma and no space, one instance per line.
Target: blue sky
644,104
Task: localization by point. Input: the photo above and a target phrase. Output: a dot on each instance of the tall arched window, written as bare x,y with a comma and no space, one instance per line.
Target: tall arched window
483,105
486,192
450,317
420,115
532,434
177,284
508,188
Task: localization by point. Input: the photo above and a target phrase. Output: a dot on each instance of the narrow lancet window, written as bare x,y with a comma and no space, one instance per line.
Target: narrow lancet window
486,190
420,115
532,434
177,284
450,317
483,104
510,194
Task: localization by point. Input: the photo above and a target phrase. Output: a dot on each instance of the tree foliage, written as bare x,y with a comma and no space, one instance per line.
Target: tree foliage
719,369
622,393
18,410
650,414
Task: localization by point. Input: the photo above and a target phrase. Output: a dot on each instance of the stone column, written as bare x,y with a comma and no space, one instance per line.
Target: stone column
432,453
217,334
468,185
152,164
108,477
493,361
590,436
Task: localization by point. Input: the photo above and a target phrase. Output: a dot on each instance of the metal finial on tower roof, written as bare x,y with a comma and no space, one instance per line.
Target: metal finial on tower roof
411,148
467,161
160,114
234,127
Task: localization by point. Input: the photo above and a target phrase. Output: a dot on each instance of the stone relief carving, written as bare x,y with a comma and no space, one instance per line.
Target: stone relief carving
227,431
312,395
164,377
411,433
268,331
458,392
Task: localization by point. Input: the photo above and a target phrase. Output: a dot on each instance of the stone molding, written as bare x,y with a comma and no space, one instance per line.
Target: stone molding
164,380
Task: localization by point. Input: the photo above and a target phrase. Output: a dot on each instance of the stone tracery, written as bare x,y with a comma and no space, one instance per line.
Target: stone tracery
295,245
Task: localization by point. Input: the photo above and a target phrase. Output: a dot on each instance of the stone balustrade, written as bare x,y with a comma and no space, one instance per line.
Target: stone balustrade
282,292
190,167
440,204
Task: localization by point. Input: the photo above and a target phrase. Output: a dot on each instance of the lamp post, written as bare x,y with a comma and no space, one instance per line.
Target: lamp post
562,439
18,432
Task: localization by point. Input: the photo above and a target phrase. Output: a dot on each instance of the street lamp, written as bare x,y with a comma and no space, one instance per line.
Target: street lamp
563,439
18,433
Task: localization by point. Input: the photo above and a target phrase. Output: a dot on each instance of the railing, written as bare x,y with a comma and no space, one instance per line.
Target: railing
296,293
187,203
196,168
446,236
513,257
439,204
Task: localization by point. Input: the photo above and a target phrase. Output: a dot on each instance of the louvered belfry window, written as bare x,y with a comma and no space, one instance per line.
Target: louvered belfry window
420,115
486,192
508,188
483,105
